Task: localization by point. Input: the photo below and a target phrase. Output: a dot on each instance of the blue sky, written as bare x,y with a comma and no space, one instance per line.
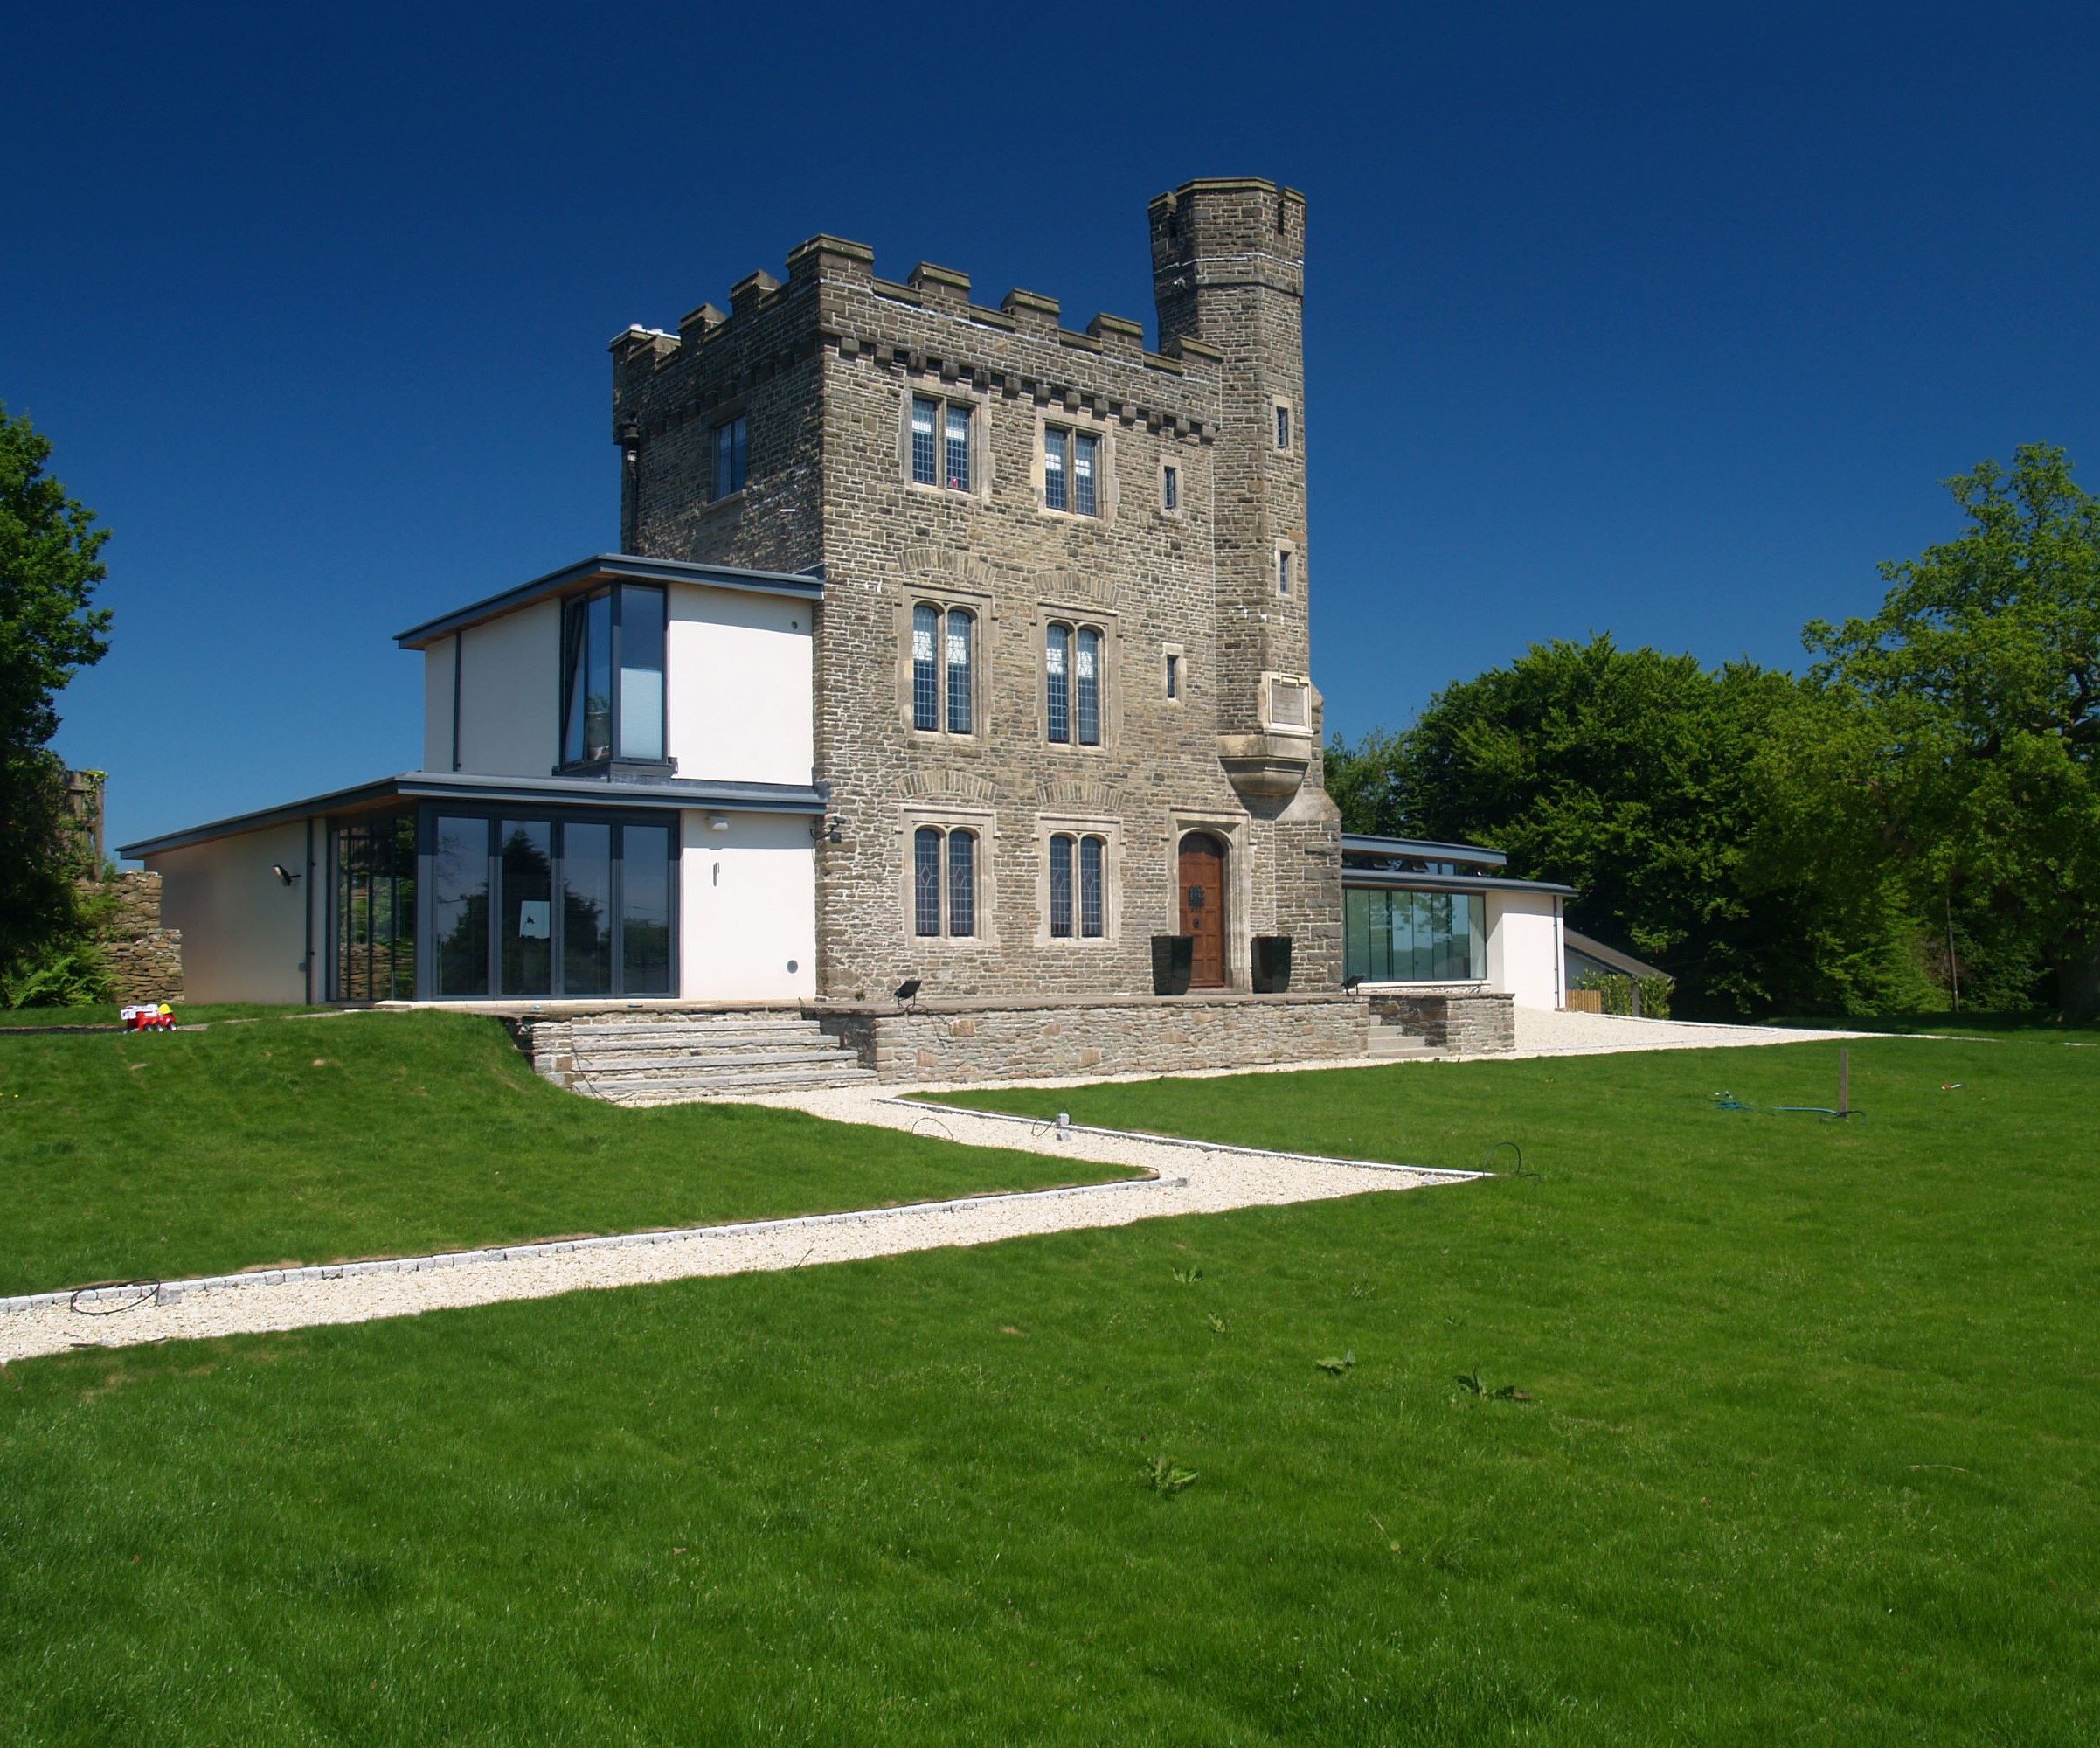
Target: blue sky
1663,322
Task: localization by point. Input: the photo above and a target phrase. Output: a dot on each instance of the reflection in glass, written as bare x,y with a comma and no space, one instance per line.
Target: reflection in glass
375,958
528,890
640,672
1060,886
460,905
1393,937
586,915
645,909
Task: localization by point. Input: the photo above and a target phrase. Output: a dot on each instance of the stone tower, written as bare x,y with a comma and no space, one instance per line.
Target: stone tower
798,429
1228,269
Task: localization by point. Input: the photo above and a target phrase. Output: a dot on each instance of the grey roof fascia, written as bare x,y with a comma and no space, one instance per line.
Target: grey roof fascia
616,567
1386,880
719,797
1361,844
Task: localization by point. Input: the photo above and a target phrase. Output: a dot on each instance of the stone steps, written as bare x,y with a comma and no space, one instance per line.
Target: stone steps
1388,1043
668,1059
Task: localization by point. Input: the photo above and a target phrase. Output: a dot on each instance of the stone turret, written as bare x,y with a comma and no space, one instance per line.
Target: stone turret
1228,265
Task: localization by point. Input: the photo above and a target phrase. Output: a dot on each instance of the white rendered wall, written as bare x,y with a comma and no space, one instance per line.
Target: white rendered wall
1524,948
738,686
437,704
243,930
509,702
748,912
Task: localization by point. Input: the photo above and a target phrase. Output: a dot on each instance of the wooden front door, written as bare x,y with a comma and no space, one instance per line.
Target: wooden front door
1203,908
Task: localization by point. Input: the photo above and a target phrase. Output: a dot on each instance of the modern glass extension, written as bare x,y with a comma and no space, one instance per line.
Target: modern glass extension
516,903
1400,937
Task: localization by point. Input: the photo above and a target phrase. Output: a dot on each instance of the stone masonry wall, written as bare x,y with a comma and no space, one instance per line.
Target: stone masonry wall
989,1041
1471,1020
825,367
145,960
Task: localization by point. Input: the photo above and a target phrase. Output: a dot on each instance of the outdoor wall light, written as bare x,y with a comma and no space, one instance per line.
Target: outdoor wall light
283,874
717,821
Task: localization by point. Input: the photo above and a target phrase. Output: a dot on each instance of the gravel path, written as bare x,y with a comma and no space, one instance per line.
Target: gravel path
1188,1180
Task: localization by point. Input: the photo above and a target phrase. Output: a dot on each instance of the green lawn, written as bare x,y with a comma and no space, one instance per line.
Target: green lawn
1808,1456
284,1140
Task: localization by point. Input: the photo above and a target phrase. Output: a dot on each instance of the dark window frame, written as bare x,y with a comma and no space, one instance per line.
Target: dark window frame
933,681
937,902
1064,700
1065,492
941,444
570,655
559,819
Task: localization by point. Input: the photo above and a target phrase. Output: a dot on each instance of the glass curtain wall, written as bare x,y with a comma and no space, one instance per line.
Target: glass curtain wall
551,907
375,923
1395,937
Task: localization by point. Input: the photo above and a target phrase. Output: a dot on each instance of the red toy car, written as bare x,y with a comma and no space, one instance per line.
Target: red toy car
150,1017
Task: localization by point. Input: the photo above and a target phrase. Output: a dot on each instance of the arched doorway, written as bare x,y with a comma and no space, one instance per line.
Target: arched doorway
1202,889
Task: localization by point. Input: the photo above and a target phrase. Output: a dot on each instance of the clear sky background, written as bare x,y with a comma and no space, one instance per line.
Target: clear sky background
1660,321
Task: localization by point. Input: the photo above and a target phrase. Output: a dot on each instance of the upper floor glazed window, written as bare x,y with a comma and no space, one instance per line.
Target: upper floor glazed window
1072,676
611,675
940,442
944,668
1071,470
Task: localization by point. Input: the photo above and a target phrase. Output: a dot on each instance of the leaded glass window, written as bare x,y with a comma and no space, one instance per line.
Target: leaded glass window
731,452
1056,661
962,883
925,880
1086,456
961,625
926,674
1088,675
926,467
1060,886
1056,442
958,448
1092,853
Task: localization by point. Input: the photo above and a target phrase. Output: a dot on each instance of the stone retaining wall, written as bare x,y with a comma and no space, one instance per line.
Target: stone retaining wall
1465,1019
1021,1039
145,961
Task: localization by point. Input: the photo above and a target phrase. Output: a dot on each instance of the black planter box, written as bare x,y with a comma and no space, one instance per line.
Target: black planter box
1172,959
1271,964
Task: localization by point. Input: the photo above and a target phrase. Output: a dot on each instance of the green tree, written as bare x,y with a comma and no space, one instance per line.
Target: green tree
1634,777
1958,736
48,629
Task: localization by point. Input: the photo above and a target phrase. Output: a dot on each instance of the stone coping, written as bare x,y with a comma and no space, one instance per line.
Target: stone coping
1009,1004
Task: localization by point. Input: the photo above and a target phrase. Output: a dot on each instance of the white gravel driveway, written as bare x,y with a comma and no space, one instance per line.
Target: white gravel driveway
1186,1179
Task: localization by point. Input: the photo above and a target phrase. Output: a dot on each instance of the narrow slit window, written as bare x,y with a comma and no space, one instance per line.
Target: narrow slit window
1283,428
1057,658
1060,886
731,452
1174,677
925,679
1088,675
962,883
1283,568
926,414
958,448
925,880
1170,489
1092,853
960,626
1054,444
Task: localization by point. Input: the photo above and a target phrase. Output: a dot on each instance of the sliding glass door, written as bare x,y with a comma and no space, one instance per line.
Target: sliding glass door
580,907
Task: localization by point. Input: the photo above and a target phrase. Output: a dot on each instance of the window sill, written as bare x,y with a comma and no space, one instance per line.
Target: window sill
617,769
945,494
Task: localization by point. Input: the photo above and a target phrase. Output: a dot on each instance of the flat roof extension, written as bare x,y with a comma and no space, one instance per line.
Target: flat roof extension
614,567
563,792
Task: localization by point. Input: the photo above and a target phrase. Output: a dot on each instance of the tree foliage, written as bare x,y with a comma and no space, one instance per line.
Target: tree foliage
48,629
1960,725
1632,776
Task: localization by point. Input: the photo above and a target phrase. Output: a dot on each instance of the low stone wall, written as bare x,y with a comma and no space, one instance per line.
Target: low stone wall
145,961
1465,1019
1022,1039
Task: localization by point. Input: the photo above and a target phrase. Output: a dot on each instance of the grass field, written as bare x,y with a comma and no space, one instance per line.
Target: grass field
287,1140
1805,1453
